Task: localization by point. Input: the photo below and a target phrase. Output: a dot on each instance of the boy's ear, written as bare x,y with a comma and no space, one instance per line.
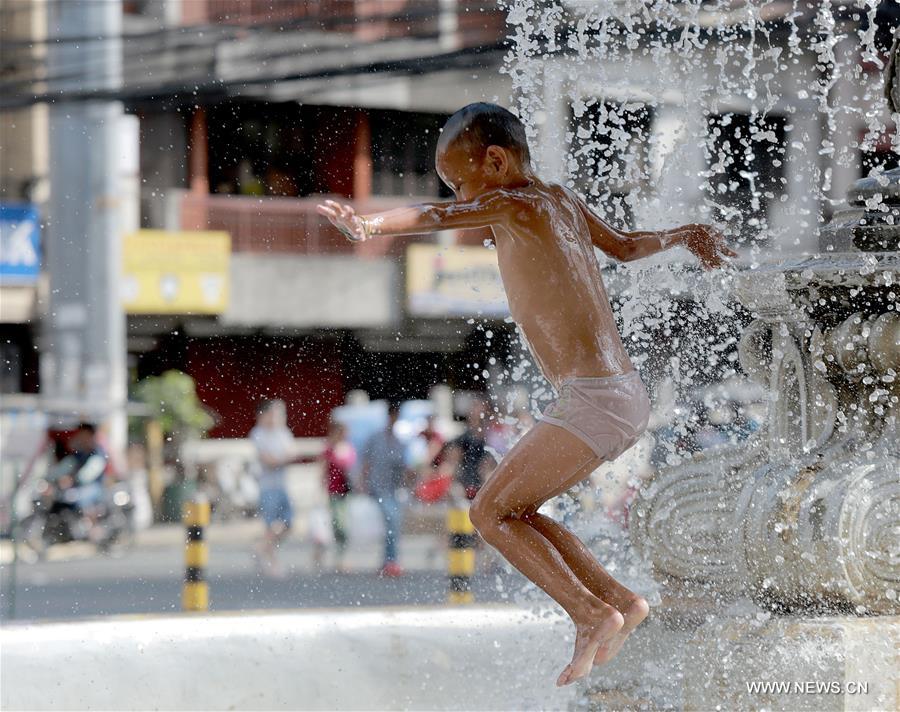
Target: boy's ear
497,159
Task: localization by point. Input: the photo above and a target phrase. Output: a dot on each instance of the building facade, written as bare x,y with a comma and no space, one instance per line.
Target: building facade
340,99
23,191
249,113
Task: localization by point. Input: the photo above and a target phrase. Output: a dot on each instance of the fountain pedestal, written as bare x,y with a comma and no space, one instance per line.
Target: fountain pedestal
779,558
805,515
744,659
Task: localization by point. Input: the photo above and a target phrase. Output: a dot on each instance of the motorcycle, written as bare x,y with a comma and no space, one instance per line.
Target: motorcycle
56,519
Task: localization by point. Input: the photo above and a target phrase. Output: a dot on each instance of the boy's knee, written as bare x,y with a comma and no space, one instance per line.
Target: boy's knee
483,515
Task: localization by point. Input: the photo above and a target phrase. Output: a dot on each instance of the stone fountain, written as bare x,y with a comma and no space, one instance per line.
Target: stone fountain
779,558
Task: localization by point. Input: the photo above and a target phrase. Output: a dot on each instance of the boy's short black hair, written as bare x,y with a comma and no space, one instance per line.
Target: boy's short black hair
481,125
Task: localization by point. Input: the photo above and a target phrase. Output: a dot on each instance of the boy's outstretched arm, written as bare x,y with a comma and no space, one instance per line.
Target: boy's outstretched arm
705,242
488,209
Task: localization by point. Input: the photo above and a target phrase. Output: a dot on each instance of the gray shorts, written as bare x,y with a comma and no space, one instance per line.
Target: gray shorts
608,413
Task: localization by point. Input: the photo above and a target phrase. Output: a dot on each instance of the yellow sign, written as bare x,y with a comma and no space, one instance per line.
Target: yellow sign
176,272
453,281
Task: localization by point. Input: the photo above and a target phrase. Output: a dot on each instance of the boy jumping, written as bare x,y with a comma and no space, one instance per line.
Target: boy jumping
545,237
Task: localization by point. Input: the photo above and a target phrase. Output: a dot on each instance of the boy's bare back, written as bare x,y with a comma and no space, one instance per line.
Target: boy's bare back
553,283
545,237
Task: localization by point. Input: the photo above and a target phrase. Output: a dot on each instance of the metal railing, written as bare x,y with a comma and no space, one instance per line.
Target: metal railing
470,22
252,11
288,225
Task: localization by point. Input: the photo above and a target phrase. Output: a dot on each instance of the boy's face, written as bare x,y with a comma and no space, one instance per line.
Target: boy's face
469,175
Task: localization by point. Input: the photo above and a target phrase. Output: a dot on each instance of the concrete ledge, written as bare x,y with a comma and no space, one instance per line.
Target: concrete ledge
436,658
484,658
305,291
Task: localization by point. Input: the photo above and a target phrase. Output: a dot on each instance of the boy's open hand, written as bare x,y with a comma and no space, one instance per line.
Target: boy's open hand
345,219
707,243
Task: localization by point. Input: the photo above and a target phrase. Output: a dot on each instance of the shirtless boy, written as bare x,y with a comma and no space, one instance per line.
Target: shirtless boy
545,237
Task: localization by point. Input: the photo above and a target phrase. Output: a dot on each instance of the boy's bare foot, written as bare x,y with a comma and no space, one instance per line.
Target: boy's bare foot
588,639
634,614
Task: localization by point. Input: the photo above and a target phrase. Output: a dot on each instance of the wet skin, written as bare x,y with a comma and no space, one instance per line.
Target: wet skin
545,237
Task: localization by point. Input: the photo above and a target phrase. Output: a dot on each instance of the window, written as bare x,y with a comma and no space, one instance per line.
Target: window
879,154
257,149
609,146
746,161
403,146
10,367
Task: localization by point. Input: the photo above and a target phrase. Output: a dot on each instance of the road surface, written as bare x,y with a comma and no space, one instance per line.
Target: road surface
75,582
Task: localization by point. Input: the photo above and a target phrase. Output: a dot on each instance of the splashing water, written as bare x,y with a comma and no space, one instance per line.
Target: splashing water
627,65
664,113
752,116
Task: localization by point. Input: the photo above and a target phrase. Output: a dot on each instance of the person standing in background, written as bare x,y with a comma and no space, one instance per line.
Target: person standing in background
339,457
383,474
471,446
275,449
434,442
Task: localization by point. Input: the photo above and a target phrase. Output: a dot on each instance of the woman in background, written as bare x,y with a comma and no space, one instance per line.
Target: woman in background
274,444
338,457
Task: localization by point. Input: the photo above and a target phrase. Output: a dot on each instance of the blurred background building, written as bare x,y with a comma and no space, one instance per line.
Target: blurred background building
242,114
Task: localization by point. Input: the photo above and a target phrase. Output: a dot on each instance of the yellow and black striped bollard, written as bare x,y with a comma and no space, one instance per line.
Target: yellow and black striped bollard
195,595
461,556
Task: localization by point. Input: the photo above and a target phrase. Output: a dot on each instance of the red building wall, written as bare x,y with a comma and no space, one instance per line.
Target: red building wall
341,150
233,374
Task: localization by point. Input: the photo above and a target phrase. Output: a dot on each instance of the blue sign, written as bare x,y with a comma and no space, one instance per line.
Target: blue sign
20,244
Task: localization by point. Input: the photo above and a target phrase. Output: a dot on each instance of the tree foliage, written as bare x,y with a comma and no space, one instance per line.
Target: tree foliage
172,398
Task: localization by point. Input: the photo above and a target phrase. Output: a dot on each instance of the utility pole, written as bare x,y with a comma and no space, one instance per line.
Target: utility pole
83,354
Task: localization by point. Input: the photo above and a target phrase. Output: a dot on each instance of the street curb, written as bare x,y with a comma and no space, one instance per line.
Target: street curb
429,657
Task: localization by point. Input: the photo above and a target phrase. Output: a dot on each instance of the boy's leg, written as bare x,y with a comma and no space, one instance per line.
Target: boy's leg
268,514
285,517
547,460
582,562
634,608
279,516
